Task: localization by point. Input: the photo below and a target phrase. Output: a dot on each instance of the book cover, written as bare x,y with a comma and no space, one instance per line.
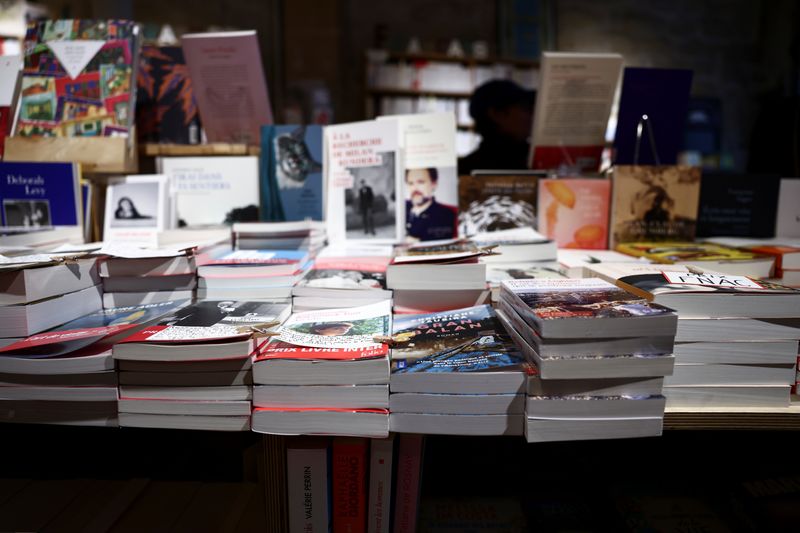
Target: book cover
498,272
364,166
40,195
431,177
462,340
380,485
407,482
349,484
78,79
592,298
213,190
495,202
573,105
574,263
166,109
353,327
654,203
137,209
87,330
10,69
445,252
357,273
291,173
788,217
662,95
258,258
307,473
779,253
277,349
212,320
677,252
737,205
574,212
229,84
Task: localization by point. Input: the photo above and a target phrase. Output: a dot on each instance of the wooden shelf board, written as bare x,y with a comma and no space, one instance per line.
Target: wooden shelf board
155,149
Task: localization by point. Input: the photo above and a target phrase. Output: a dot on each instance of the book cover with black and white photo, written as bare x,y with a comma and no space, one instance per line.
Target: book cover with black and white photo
137,209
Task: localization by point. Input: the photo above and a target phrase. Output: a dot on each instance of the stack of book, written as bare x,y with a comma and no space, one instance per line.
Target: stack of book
250,274
437,277
192,368
601,354
43,291
135,276
704,255
342,281
325,373
736,344
785,251
301,235
66,375
457,373
576,263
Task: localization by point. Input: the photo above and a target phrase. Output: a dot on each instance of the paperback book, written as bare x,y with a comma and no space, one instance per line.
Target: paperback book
137,209
574,212
491,202
336,274
737,205
354,327
40,195
703,254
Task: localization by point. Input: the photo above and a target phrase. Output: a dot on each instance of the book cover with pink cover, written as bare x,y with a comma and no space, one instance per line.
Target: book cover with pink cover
574,212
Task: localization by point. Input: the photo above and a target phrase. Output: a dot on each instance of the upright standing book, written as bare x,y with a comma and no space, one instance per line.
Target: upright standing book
654,203
662,96
572,109
364,180
291,173
495,200
574,212
10,69
40,195
737,205
431,176
788,216
229,84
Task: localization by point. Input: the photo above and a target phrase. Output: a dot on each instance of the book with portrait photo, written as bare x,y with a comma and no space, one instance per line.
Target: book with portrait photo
364,175
137,209
350,328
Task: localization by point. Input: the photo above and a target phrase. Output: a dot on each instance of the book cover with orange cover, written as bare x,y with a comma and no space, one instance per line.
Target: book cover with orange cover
574,211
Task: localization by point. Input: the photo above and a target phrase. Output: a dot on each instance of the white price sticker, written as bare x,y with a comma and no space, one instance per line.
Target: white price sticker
711,280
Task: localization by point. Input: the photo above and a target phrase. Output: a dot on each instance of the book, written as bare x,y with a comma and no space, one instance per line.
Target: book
655,203
573,212
595,406
698,293
457,403
737,205
661,95
166,108
575,263
27,279
307,477
705,255
343,396
354,327
490,202
380,485
23,320
40,195
213,190
278,363
229,84
10,70
431,178
517,244
137,209
349,467
408,478
463,350
203,330
573,106
242,264
346,277
195,422
291,173
787,222
473,424
78,79
364,177
566,429
787,258
579,308
372,423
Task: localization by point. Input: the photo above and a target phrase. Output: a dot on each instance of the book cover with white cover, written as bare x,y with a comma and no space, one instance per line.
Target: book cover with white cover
574,263
364,178
430,183
788,217
213,190
137,209
573,106
353,327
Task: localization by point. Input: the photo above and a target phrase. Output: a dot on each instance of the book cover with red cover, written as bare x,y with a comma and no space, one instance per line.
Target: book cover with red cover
786,257
276,349
407,482
349,484
574,212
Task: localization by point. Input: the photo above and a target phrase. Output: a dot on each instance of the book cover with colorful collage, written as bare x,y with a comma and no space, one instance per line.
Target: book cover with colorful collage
462,340
78,78
166,109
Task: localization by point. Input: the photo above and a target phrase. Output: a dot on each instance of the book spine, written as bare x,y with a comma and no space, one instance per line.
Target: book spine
409,474
307,480
349,485
380,485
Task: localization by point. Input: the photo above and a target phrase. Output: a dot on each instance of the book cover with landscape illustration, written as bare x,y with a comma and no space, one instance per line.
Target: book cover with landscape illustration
491,202
574,212
291,173
78,79
654,203
461,340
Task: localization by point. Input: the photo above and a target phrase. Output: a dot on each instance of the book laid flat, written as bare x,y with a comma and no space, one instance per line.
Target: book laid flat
706,255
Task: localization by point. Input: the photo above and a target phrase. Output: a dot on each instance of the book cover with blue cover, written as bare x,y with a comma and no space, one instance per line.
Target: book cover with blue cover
39,195
662,95
462,340
291,173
